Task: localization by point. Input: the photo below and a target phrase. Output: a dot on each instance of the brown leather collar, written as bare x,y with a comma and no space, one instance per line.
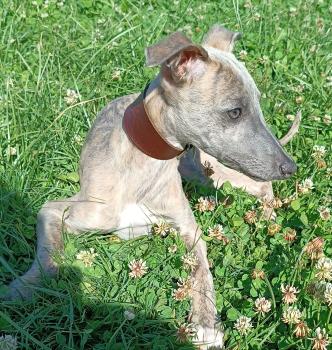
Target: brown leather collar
142,133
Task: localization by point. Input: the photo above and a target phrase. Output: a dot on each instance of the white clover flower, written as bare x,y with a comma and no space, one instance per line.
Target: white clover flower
71,97
321,341
243,325
87,256
173,248
78,139
291,315
162,228
262,305
257,16
205,204
314,248
263,59
324,269
289,294
243,54
328,294
11,151
299,99
315,118
306,186
324,213
327,119
129,314
217,231
250,217
317,289
186,332
138,268
248,4
116,75
319,151
301,330
190,261
185,289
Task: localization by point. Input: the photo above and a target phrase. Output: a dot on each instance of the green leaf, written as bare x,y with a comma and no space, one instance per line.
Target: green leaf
237,221
227,187
206,238
167,312
296,204
304,218
71,177
232,314
150,298
253,292
278,55
113,291
259,264
245,277
219,271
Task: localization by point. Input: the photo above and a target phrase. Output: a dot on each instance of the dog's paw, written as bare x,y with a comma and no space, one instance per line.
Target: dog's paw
209,338
269,214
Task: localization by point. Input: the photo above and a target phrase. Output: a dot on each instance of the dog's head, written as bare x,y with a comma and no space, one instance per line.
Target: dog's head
215,104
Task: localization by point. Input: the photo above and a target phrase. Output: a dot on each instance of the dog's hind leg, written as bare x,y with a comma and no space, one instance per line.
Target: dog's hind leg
74,215
50,224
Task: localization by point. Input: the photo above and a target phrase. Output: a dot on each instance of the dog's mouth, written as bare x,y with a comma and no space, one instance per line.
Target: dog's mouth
255,175
235,165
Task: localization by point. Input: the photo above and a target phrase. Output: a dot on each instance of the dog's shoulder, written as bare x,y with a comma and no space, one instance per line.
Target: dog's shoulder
109,118
115,109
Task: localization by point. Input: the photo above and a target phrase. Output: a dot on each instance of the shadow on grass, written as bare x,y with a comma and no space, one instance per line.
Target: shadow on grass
65,313
62,316
17,234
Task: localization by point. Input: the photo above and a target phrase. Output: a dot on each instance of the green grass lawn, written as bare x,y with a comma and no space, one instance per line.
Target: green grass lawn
96,48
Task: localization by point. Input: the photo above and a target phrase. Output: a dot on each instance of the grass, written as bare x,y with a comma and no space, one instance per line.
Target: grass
96,48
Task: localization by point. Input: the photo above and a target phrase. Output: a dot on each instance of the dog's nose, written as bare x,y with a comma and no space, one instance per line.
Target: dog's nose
288,168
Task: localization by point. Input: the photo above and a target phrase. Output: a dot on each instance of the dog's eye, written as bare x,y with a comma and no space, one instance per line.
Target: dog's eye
234,113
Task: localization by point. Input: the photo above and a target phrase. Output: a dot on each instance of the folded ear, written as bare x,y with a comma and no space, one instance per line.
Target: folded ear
185,59
221,38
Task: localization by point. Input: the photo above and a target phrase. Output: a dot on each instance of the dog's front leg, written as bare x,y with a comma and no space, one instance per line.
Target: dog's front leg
203,312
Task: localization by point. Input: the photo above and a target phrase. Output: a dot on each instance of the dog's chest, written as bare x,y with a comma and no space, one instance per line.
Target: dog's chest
135,220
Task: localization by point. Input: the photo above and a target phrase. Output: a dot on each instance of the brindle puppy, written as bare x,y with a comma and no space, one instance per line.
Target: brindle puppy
202,96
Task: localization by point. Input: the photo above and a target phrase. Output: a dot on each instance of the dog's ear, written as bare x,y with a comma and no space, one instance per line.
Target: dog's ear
221,38
182,57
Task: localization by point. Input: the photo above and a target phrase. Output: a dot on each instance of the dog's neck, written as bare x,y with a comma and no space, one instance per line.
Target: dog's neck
148,124
161,115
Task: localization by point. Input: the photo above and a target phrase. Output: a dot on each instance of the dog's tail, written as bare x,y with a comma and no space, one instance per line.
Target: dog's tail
293,129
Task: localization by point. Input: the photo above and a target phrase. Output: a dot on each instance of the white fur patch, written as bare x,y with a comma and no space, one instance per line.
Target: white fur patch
209,337
135,220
